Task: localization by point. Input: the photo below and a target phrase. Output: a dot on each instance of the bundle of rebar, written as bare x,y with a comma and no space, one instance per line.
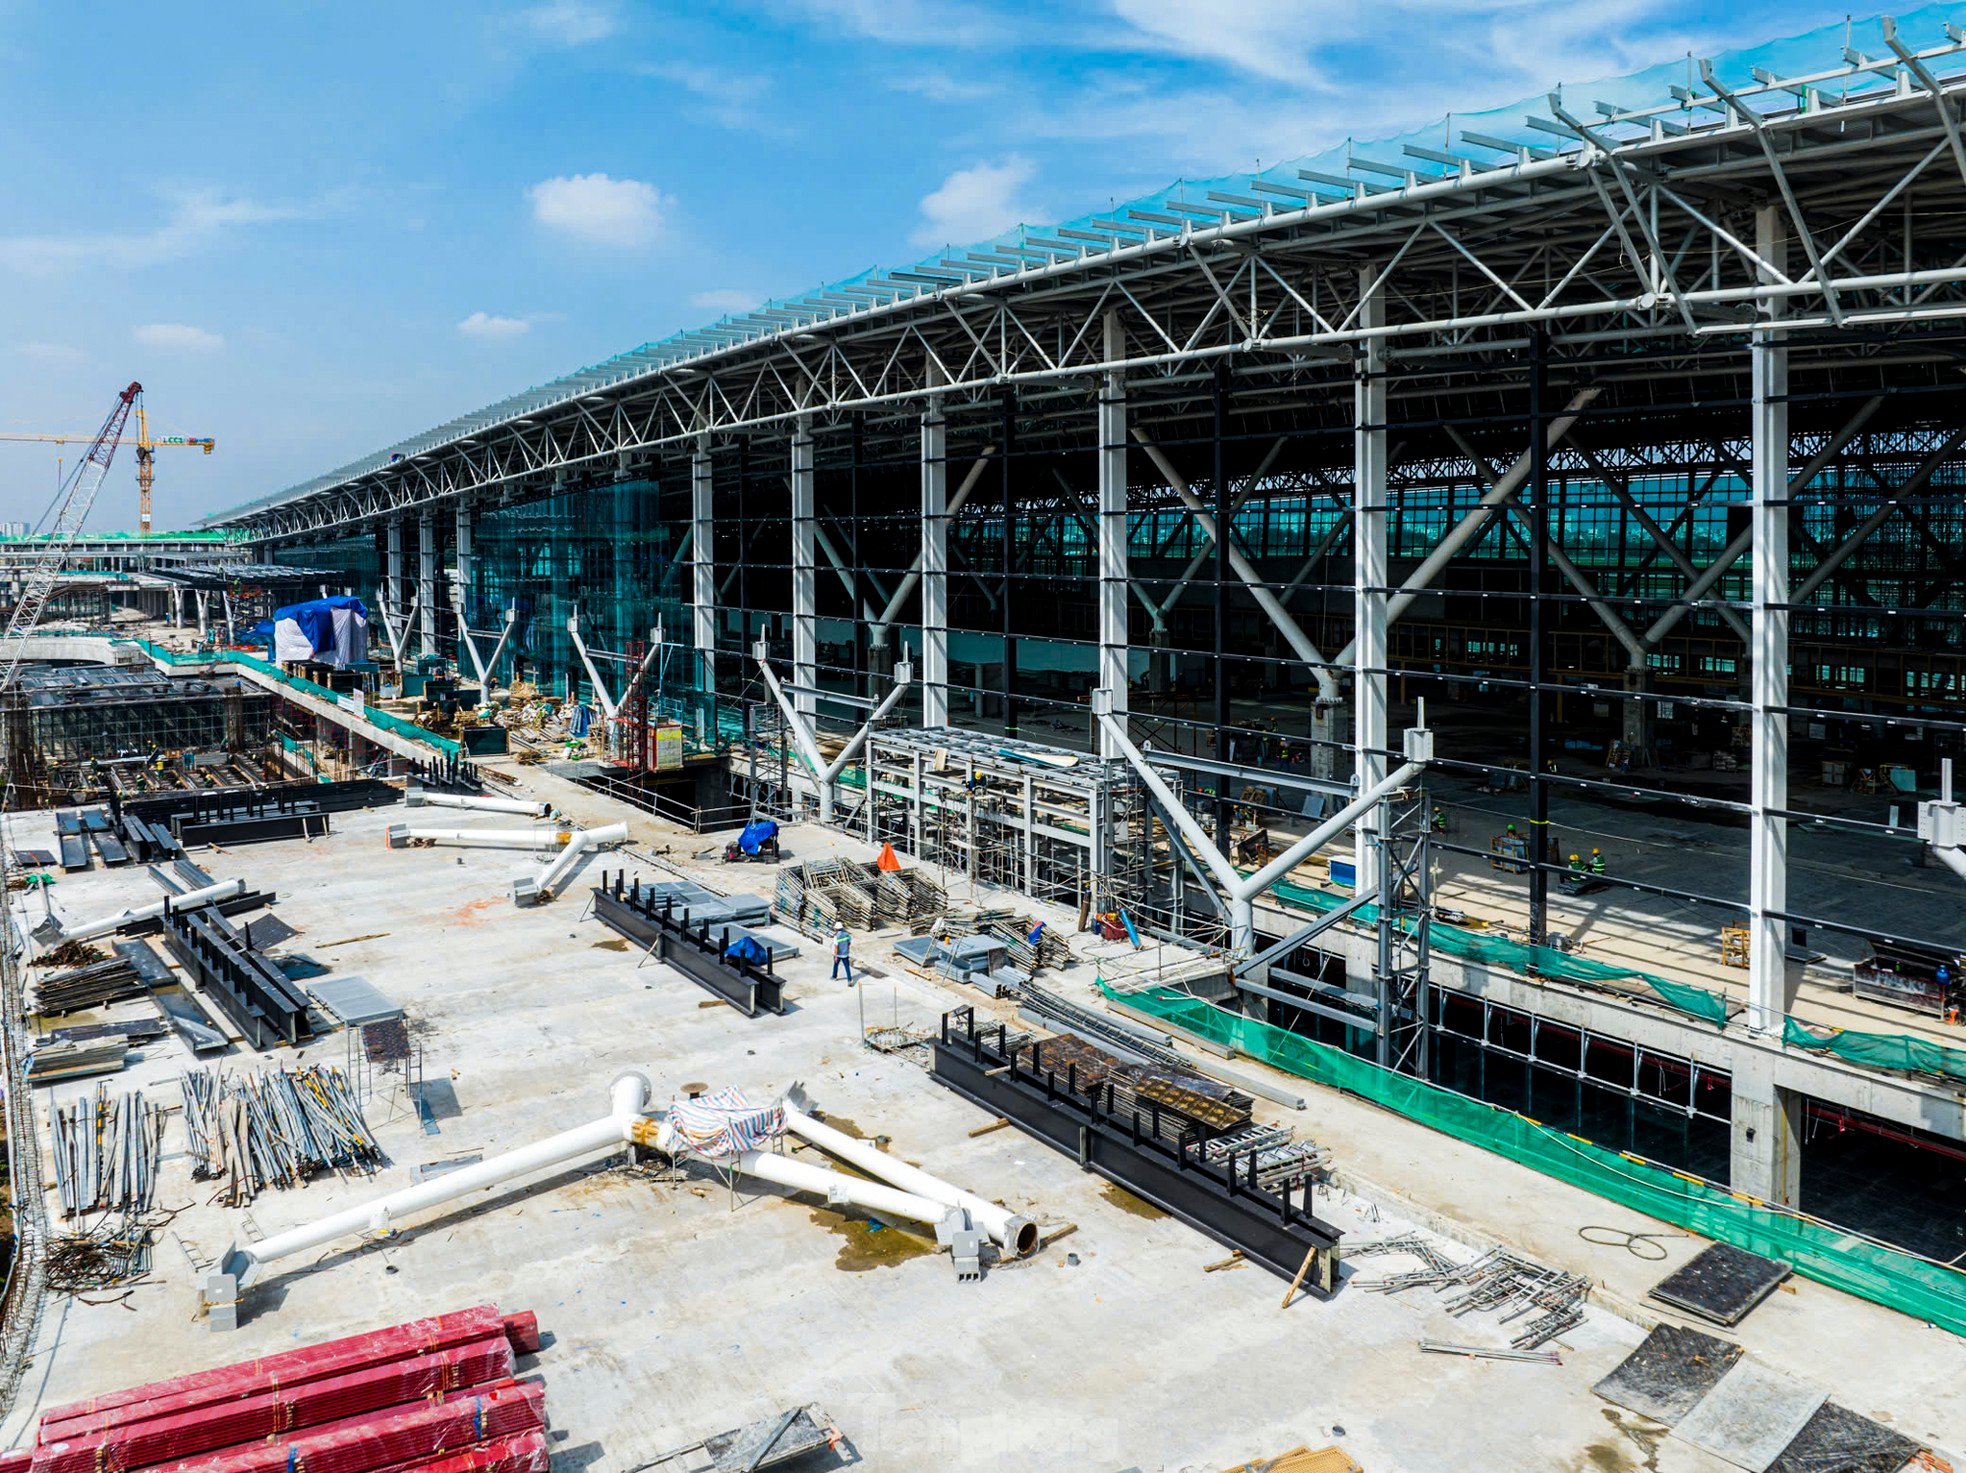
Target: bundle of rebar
114,1252
1499,1282
106,1150
1176,1107
81,988
274,1129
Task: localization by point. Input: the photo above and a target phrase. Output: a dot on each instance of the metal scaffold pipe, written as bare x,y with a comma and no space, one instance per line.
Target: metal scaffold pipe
401,834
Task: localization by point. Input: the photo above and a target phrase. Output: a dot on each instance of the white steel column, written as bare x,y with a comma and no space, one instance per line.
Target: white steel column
1766,1153
1113,564
1371,569
703,599
467,519
426,578
392,569
805,577
935,565
1768,991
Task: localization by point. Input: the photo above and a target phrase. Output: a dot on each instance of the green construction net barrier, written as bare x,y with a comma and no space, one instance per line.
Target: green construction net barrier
382,720
1901,1281
1880,1050
1526,960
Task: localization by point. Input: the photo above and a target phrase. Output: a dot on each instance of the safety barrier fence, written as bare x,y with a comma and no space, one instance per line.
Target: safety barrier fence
1817,1250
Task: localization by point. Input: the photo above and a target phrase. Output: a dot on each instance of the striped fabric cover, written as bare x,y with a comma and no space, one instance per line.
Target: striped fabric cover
726,1123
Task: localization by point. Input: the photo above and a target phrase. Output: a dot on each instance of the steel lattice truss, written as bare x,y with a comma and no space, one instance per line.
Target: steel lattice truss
1633,232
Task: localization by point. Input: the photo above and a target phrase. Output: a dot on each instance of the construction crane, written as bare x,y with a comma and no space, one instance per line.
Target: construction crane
147,449
45,564
29,1274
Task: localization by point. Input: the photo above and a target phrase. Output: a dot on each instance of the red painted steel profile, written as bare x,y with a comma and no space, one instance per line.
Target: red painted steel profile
388,1440
526,1453
287,1368
175,1435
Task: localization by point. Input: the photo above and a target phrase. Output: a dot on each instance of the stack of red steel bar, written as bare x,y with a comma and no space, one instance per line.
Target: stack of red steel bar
432,1396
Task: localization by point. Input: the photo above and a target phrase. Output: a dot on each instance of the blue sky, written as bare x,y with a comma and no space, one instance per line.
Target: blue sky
314,228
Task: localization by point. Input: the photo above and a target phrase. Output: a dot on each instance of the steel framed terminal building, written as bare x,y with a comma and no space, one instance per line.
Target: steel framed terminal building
1622,428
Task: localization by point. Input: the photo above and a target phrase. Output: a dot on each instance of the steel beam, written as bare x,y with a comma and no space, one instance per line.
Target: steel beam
1114,572
1371,573
933,563
703,596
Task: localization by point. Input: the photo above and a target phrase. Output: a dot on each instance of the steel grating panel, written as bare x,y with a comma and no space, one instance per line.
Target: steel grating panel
1669,1373
354,1001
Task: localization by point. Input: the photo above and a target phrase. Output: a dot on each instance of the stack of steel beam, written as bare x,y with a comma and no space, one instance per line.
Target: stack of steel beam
113,979
274,1129
435,1396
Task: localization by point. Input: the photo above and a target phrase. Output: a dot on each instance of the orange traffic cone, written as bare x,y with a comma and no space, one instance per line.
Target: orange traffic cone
888,860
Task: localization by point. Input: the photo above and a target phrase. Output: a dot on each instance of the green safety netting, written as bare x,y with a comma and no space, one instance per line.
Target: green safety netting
1902,1281
408,730
1880,1050
1526,960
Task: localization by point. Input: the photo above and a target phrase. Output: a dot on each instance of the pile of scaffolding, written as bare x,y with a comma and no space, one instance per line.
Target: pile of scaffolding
106,1150
274,1129
821,894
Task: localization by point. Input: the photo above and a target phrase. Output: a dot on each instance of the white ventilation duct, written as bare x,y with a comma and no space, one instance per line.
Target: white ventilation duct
402,835
546,884
1015,1235
103,925
628,1096
419,798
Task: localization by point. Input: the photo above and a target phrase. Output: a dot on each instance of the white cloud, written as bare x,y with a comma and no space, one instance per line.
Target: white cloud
976,203
728,99
599,209
1268,38
724,300
177,337
569,22
53,355
489,326
196,220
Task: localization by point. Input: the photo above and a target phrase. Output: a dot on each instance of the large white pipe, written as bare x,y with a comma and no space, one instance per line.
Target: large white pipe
223,890
835,1186
418,798
1017,1235
401,834
561,865
628,1097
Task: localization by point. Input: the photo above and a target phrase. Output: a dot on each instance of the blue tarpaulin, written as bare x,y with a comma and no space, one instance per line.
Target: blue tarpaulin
326,631
748,949
757,834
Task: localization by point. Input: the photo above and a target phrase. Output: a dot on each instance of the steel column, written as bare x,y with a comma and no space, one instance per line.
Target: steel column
935,565
1113,560
805,576
1539,706
703,599
1769,993
1371,570
426,579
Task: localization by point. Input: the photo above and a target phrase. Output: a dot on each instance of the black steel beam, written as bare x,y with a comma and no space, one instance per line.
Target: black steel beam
247,988
1220,1199
693,947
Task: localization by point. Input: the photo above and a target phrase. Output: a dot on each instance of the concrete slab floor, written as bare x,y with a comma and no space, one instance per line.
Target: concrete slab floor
675,1310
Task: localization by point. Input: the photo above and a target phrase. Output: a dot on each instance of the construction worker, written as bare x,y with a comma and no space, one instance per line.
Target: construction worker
1439,819
843,954
1576,864
1597,862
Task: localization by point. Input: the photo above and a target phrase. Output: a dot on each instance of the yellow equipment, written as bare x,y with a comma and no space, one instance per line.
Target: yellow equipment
146,454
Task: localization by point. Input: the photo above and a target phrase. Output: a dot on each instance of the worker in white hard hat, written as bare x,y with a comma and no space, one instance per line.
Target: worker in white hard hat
843,954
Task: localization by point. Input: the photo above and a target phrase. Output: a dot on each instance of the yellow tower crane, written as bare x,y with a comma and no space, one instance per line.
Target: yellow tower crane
147,449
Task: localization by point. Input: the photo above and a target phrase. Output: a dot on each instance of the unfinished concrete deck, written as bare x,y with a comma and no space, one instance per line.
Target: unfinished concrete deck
678,1309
